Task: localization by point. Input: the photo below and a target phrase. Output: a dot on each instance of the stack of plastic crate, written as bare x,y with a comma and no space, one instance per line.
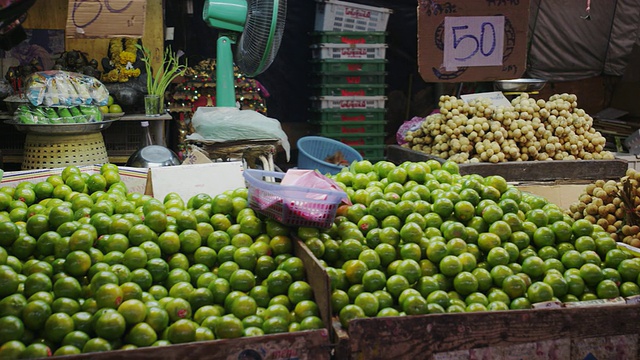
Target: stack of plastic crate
348,64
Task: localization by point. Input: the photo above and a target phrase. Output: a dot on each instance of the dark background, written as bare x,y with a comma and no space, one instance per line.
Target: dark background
288,77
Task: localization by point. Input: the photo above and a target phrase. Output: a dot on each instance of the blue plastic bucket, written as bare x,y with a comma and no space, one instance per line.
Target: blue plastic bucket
312,150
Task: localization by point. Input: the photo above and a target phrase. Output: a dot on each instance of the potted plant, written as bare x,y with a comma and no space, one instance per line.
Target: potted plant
158,82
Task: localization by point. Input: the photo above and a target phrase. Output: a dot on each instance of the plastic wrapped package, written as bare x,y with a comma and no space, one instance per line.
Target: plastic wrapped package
57,115
222,124
62,88
409,125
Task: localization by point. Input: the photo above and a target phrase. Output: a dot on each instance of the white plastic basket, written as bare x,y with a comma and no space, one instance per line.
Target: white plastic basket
333,15
349,51
348,102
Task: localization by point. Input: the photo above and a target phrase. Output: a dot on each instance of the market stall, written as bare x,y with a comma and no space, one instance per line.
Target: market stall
502,224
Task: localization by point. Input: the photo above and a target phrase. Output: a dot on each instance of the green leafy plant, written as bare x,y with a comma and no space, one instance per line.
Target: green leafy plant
170,69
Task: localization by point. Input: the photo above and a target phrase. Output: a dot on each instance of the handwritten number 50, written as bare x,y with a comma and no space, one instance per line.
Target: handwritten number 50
77,4
480,45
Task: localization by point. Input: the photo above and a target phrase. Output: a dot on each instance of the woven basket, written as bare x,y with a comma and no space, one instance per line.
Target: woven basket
47,152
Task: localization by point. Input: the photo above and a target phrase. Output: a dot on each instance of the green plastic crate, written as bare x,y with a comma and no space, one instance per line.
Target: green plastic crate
373,153
350,90
337,115
348,66
357,139
349,78
354,127
349,37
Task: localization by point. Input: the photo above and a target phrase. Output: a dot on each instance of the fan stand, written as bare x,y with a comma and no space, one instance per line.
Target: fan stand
225,84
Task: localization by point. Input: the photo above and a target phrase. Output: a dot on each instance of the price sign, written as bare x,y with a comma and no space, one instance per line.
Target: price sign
94,19
473,41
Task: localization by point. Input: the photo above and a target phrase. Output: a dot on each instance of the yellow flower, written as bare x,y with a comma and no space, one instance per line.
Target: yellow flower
112,76
127,57
123,77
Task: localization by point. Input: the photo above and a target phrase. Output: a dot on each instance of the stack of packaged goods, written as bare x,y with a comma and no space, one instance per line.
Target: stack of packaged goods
348,63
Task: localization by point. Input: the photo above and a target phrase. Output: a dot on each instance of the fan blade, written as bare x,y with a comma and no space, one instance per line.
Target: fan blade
260,41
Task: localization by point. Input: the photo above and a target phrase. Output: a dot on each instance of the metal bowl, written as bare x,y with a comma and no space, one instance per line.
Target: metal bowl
153,156
61,129
13,102
519,85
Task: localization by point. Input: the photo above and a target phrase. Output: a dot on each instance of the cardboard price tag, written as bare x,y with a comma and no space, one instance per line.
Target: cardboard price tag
105,18
472,40
497,98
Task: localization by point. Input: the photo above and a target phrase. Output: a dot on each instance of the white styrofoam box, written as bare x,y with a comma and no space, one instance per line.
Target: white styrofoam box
349,51
348,102
333,15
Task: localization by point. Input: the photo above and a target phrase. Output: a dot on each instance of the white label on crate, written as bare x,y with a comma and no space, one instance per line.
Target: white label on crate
473,41
355,53
357,13
353,104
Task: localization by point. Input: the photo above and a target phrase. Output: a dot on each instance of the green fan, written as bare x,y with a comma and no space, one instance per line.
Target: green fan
261,25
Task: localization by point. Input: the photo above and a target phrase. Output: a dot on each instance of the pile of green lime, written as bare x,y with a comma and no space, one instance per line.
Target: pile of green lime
422,239
87,266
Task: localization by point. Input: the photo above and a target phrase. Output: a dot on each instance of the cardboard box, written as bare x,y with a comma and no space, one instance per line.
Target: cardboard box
562,195
134,178
189,180
453,35
114,18
195,155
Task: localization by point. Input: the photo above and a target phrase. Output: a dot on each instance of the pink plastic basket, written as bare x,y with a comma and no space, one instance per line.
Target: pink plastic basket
291,205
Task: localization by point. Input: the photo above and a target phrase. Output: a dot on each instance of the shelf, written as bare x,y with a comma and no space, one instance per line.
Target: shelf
143,117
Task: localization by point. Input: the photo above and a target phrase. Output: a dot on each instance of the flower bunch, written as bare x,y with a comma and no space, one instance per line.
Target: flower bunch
122,58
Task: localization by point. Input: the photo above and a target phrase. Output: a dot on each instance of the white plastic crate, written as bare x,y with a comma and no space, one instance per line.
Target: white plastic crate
333,15
349,51
632,160
348,102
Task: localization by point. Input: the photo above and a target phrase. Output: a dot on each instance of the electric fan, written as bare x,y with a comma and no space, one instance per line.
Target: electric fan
261,23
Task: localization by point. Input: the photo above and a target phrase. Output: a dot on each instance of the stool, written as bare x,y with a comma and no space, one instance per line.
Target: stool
249,151
54,151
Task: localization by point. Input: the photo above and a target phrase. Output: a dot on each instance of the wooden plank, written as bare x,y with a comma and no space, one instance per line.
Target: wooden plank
550,170
153,37
526,170
50,14
398,154
340,340
311,345
318,279
426,335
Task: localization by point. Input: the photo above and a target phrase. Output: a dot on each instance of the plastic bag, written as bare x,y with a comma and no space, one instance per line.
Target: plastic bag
222,124
312,179
62,88
29,114
409,125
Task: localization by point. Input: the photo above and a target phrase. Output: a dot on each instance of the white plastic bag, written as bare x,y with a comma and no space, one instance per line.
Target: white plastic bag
63,88
222,124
